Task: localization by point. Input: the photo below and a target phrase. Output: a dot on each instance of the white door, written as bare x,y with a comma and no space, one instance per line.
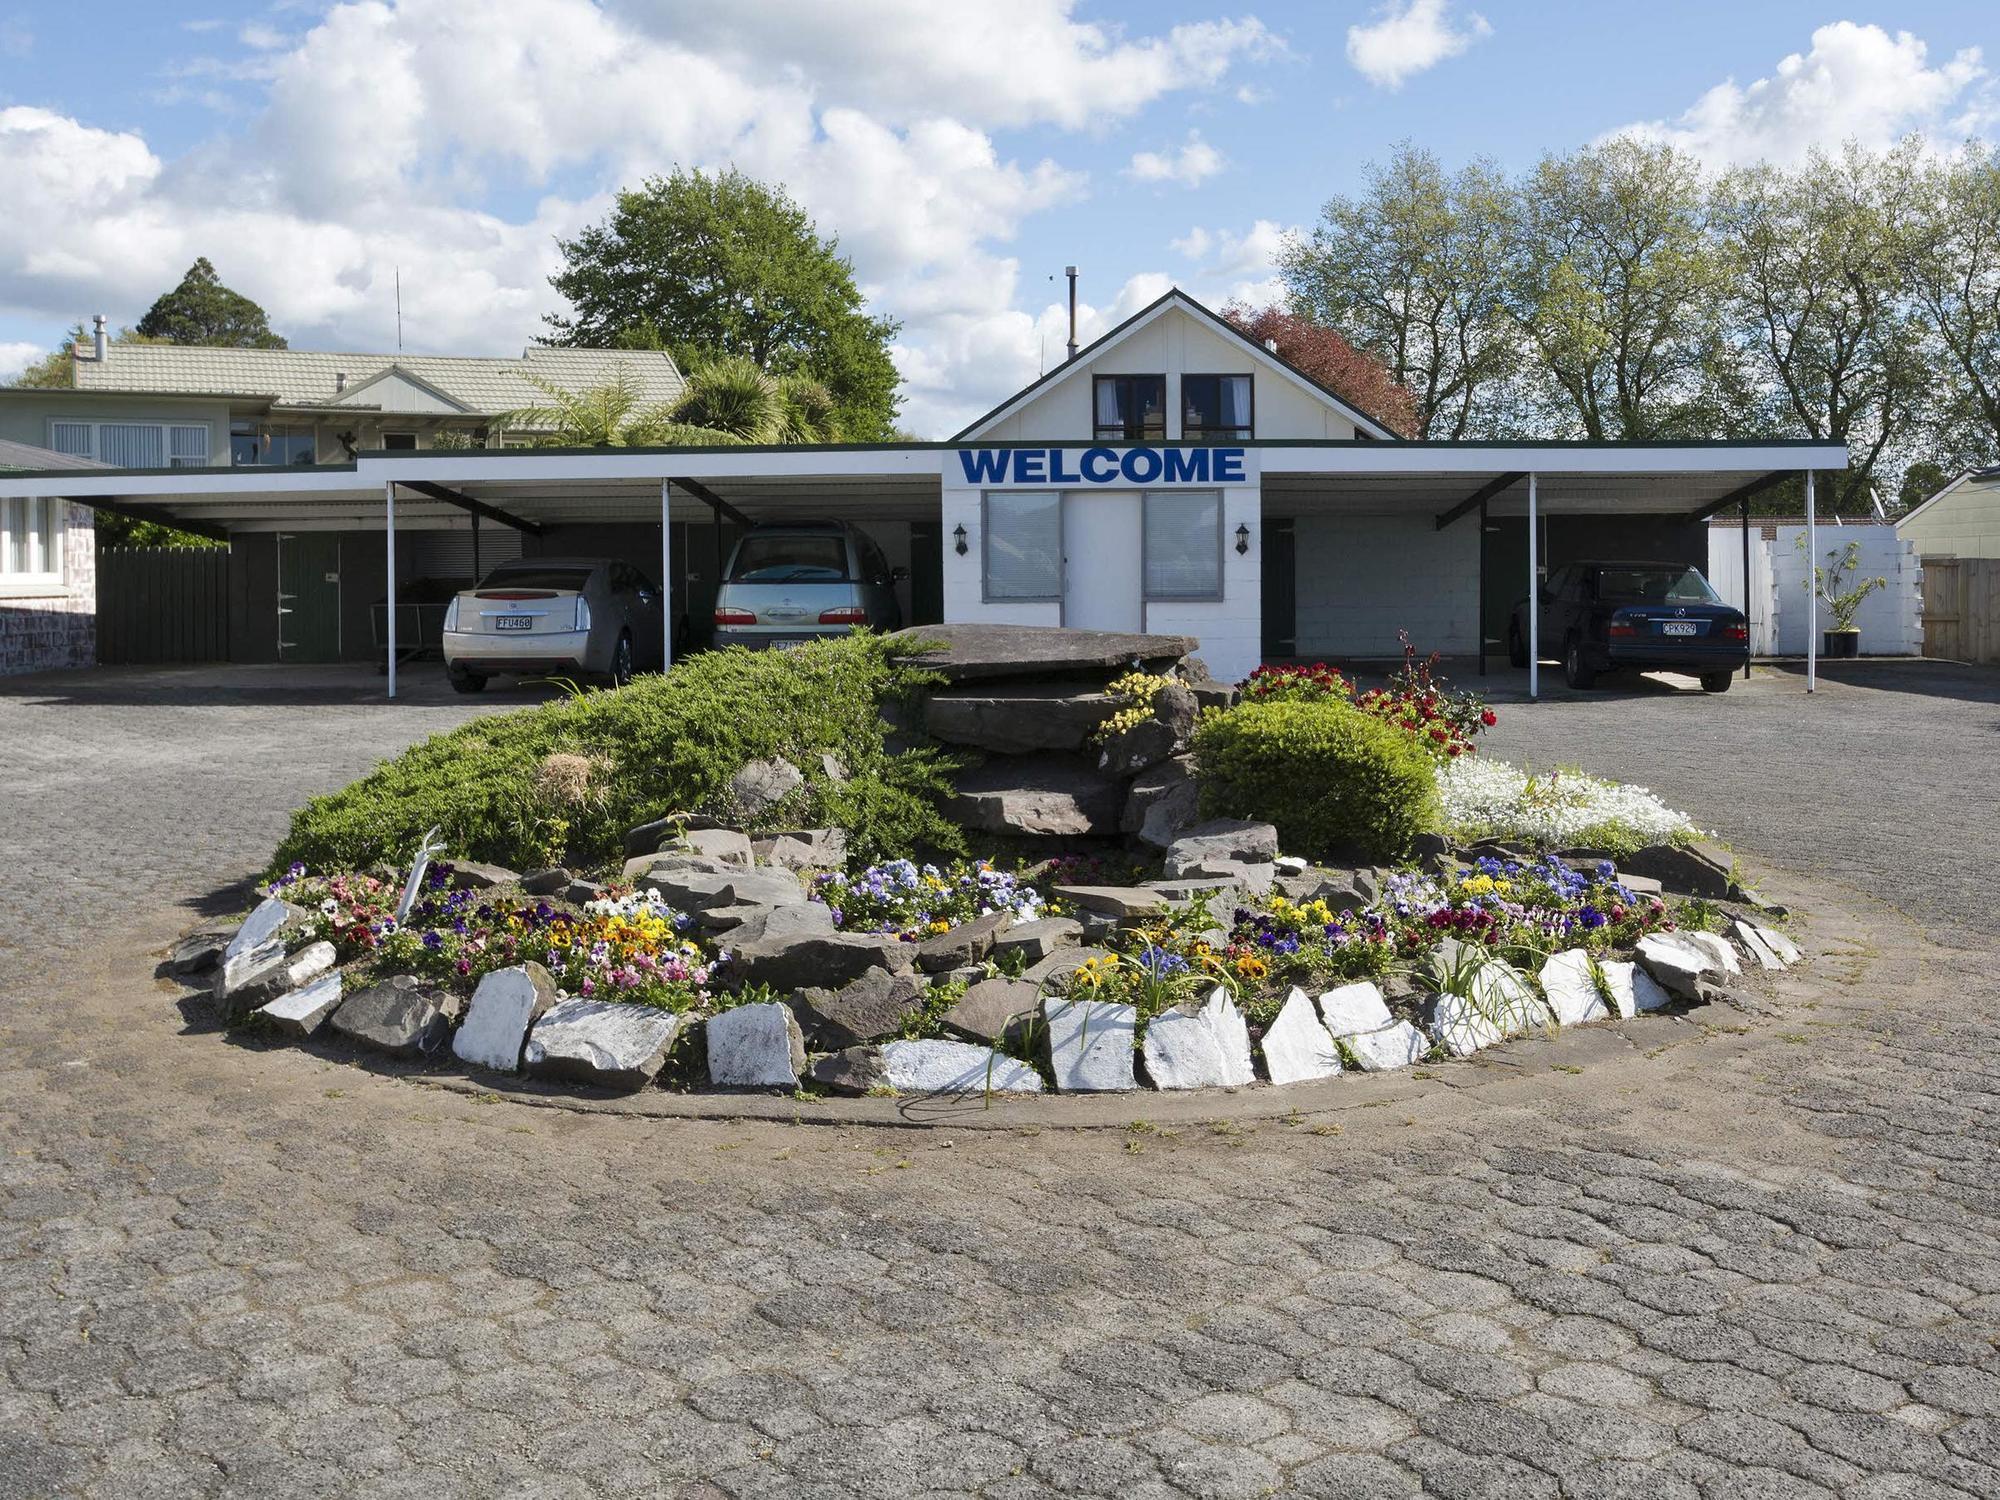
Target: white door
1103,583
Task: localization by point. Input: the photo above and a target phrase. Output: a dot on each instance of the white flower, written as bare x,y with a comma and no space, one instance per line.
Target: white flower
1485,798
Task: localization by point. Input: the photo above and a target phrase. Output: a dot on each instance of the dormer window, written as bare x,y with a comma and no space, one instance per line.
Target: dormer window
1130,408
1216,408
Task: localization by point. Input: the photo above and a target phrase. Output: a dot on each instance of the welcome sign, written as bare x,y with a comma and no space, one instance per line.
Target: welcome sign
1148,467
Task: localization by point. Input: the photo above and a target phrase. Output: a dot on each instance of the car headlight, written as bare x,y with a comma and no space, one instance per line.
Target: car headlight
582,613
451,614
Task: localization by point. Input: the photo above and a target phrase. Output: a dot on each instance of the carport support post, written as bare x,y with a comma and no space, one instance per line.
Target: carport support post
1812,589
1534,601
666,578
389,504
1746,585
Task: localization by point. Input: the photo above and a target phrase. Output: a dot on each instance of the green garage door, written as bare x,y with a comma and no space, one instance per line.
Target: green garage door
308,596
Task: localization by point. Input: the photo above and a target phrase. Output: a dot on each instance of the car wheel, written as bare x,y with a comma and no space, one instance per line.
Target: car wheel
1716,682
467,682
1576,671
1517,649
621,661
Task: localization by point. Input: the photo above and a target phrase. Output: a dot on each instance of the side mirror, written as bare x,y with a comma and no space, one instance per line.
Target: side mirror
898,575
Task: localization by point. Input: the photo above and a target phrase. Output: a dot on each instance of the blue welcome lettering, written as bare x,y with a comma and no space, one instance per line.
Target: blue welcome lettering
1186,466
1057,473
983,465
1028,464
1141,466
1228,465
1100,466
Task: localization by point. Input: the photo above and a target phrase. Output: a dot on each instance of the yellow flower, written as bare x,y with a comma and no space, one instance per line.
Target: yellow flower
1250,966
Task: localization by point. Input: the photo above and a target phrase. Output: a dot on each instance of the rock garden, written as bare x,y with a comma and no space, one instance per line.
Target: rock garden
976,860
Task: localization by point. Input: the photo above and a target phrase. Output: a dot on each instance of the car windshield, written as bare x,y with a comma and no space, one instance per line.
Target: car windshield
537,578
1655,586
790,557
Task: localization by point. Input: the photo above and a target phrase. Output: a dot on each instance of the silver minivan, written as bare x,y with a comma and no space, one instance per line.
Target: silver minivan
805,581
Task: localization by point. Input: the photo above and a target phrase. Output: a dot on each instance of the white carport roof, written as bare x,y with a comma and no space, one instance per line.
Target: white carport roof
441,488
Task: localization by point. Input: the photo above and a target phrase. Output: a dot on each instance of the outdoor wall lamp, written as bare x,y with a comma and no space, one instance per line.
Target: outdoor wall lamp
1242,540
958,536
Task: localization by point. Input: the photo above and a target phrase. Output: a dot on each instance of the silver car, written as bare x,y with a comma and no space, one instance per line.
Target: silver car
554,617
802,582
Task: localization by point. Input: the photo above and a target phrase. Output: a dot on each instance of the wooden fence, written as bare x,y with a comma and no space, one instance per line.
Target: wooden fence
162,604
1962,608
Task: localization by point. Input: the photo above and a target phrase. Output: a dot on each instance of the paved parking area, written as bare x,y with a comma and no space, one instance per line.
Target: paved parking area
1685,1261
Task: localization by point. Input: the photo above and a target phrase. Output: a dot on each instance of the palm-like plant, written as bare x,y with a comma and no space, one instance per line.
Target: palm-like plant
726,399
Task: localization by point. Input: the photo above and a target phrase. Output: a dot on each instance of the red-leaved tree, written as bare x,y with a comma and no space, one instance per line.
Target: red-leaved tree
1360,379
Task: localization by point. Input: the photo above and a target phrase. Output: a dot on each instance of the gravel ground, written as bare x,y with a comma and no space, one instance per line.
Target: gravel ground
1710,1257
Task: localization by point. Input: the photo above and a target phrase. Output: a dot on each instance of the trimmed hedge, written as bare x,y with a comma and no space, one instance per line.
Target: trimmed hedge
560,783
1333,780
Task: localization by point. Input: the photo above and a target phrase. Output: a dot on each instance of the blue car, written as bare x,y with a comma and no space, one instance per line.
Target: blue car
1634,616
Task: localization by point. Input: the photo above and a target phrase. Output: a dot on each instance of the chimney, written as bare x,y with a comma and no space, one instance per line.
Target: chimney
1070,272
98,341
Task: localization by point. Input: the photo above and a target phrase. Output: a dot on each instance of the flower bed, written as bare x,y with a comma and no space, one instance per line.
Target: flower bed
1556,810
918,901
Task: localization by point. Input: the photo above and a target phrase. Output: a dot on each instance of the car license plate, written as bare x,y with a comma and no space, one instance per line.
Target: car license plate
786,645
1677,627
513,622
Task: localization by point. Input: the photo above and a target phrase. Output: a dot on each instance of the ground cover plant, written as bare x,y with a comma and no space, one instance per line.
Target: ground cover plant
1560,809
559,783
1442,720
918,901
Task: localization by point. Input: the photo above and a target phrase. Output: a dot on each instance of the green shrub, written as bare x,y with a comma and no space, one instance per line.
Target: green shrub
560,783
1333,780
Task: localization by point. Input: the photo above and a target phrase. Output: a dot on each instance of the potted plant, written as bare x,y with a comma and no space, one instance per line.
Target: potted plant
1842,592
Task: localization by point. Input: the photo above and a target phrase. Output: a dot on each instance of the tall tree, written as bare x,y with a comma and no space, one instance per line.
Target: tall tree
1356,377
1616,285
1412,271
1951,266
727,399
721,264
1822,339
201,310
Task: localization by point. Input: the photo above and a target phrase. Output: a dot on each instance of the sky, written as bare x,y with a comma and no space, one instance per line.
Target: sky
963,151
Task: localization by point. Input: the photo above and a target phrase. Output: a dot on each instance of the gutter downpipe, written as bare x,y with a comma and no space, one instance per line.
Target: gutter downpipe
667,576
1534,602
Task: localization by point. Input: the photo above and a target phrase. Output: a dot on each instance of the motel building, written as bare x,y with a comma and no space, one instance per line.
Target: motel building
1174,477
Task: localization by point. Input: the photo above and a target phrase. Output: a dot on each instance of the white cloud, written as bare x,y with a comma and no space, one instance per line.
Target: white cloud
1193,164
1856,83
1408,37
1235,266
16,357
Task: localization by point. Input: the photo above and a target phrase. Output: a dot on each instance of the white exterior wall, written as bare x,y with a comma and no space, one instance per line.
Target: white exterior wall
25,417
1363,578
1891,619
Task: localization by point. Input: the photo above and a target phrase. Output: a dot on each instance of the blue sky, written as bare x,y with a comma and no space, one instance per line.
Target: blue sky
963,152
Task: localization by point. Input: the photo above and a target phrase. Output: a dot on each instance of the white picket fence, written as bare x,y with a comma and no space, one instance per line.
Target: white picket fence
1891,618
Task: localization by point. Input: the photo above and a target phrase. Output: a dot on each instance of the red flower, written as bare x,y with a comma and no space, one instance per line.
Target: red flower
1489,718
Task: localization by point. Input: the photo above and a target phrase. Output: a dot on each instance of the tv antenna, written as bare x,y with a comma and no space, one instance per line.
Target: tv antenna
399,309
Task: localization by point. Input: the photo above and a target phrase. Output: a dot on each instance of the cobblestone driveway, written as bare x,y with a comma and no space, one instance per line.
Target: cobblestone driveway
1758,1261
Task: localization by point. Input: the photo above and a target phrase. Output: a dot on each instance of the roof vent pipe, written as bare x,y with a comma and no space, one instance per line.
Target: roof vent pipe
99,342
339,381
1070,272
1272,345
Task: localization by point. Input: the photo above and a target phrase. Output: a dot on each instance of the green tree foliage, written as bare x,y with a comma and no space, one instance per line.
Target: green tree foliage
201,310
723,265
1616,285
1411,271
664,744
1620,292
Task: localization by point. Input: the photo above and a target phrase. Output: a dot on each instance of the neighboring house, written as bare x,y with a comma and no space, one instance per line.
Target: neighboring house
158,406
1960,520
48,570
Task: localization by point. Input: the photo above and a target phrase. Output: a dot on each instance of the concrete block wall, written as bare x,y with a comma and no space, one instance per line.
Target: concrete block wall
1363,578
57,630
1891,619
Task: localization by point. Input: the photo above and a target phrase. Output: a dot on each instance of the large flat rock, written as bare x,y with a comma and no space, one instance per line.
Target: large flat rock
1016,718
1090,1045
613,1045
938,1067
1050,798
973,651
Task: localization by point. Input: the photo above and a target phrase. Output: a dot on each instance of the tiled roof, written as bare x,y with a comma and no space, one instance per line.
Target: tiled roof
27,456
299,377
